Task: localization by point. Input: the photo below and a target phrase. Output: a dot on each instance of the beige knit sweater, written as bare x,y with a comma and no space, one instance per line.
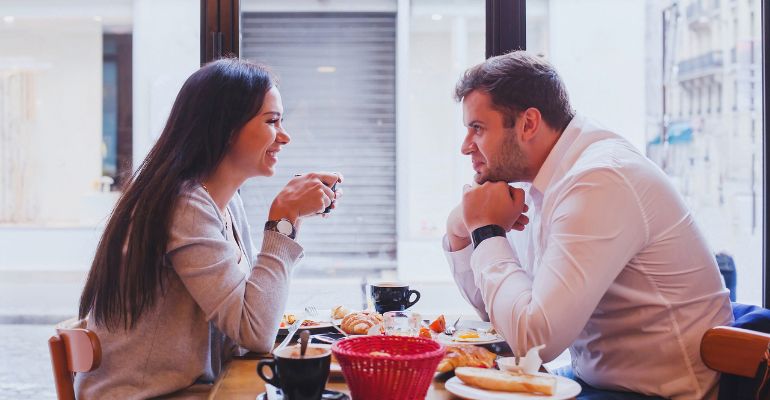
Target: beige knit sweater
208,308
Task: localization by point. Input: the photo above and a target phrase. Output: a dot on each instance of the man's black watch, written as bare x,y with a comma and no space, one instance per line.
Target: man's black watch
485,232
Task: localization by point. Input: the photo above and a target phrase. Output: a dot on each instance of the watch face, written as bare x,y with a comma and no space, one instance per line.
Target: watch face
284,227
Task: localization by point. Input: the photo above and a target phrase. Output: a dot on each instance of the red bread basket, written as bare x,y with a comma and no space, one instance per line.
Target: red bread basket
404,372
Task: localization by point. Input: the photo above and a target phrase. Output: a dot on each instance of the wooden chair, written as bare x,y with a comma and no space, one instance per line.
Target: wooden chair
738,352
73,349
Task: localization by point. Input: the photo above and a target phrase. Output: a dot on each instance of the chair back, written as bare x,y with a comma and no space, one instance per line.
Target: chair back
73,349
743,358
734,351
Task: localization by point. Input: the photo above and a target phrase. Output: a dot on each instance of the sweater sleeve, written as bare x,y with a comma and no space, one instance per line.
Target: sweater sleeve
247,308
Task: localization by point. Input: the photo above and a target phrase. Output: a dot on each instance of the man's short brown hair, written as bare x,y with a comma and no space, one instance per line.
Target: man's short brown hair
517,81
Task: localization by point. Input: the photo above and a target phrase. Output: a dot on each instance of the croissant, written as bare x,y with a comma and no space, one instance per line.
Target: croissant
358,323
466,355
339,312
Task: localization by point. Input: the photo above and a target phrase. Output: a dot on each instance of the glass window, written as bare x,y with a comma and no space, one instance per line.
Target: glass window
337,80
666,68
368,91
85,87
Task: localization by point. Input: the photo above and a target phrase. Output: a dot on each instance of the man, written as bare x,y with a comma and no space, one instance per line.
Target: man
611,265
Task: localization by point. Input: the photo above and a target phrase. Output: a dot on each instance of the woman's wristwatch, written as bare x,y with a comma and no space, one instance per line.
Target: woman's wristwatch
282,226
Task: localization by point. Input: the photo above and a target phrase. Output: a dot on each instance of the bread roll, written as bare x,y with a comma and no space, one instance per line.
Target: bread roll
466,355
339,312
492,379
358,323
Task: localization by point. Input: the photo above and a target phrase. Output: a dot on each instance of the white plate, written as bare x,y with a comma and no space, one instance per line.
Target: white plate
321,325
323,319
565,389
484,338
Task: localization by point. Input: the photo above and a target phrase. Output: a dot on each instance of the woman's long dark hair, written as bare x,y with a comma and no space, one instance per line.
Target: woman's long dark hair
213,105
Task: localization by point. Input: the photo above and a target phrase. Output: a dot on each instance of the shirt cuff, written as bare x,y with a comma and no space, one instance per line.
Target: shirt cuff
492,251
458,260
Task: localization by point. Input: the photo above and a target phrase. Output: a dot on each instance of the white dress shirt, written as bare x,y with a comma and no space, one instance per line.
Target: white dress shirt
611,266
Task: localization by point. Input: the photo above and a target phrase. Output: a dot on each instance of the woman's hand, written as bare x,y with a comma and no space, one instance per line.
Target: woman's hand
304,195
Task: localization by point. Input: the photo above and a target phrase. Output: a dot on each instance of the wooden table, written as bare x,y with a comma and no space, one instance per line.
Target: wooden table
240,381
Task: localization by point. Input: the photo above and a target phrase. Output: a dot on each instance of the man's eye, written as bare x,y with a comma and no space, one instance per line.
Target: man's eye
273,121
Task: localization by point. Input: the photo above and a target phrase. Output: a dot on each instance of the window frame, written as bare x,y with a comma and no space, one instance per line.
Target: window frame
123,59
506,23
220,29
506,26
765,10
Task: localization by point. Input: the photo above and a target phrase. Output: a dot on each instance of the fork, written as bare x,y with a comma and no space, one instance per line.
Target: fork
310,311
450,330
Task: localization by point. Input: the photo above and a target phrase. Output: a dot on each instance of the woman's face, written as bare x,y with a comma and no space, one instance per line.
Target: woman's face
256,147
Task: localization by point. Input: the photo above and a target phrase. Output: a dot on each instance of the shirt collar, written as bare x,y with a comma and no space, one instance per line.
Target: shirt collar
552,162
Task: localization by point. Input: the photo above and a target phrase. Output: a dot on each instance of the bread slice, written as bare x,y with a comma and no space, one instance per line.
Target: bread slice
466,355
492,379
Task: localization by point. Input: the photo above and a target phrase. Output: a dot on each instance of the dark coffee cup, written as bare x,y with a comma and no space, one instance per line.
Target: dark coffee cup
334,189
392,296
300,378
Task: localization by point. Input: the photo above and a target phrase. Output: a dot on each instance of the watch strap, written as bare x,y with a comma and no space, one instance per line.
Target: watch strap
485,232
273,226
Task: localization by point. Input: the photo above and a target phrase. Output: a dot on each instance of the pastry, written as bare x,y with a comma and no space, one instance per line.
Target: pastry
493,379
466,355
358,323
339,312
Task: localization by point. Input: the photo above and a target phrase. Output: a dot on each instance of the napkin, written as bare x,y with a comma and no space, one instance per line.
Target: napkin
529,364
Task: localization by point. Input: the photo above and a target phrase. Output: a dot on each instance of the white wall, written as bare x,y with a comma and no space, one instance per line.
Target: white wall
63,158
166,52
64,44
598,47
115,15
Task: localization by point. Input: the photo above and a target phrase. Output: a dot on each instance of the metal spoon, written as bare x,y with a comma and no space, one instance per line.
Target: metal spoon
304,338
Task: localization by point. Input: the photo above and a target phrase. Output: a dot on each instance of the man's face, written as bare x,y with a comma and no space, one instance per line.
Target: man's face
494,149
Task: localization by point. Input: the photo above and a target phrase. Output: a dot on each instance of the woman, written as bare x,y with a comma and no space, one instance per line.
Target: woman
176,282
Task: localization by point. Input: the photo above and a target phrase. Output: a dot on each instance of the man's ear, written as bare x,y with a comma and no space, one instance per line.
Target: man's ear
531,121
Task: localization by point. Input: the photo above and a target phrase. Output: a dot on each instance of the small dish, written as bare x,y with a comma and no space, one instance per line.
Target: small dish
529,364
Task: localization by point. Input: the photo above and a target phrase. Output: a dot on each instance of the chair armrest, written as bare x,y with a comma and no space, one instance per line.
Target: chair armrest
734,351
